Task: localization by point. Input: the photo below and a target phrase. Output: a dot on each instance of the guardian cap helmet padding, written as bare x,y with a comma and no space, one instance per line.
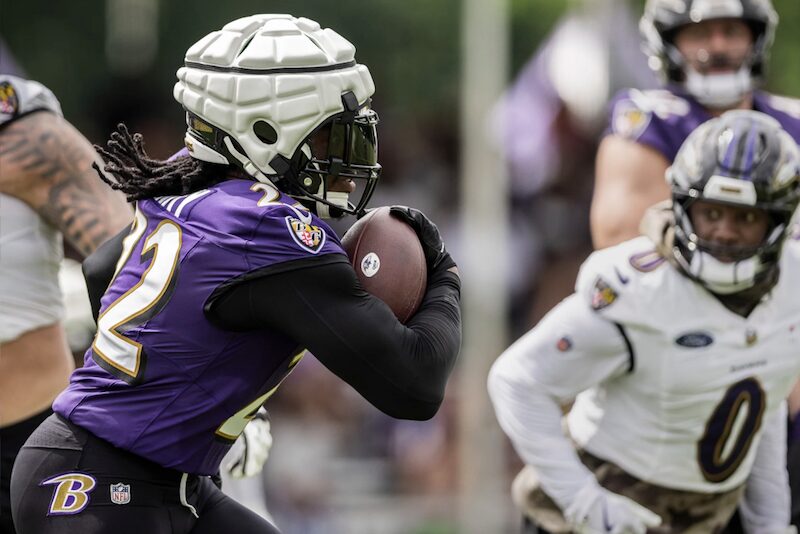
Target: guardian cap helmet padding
742,158
284,100
663,18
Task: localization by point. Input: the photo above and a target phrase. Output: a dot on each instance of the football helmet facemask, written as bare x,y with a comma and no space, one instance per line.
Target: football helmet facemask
663,18
284,100
742,158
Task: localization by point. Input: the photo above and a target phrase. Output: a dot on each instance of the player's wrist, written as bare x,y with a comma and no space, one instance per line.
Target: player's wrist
445,263
576,505
436,256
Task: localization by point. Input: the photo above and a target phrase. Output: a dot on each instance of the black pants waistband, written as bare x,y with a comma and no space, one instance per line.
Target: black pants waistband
101,457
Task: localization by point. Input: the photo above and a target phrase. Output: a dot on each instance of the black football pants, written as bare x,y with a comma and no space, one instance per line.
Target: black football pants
67,480
794,478
12,438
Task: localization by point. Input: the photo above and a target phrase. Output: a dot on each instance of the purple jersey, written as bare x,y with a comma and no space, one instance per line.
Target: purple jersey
160,379
663,118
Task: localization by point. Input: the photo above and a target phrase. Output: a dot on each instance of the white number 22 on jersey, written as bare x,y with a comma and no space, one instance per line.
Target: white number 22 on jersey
118,354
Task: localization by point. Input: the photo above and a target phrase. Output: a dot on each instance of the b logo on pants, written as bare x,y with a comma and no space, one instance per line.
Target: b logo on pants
71,494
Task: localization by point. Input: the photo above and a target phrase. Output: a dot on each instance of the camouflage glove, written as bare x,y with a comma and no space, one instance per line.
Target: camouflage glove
595,510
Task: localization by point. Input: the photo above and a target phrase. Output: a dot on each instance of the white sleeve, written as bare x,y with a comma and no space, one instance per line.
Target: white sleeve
570,350
766,506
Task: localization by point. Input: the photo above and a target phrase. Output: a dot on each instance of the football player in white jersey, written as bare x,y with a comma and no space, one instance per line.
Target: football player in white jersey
47,190
679,349
712,56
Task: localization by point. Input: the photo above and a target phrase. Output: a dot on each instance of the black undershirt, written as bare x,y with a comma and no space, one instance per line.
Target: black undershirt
401,369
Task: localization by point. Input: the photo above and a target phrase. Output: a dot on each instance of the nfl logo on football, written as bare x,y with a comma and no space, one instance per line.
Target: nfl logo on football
370,265
120,493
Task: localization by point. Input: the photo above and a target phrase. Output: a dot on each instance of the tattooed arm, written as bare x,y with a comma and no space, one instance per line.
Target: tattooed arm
47,163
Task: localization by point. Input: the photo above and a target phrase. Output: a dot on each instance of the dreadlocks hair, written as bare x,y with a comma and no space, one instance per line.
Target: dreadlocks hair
139,176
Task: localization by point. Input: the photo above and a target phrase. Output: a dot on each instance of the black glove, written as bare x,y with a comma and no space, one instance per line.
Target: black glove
436,255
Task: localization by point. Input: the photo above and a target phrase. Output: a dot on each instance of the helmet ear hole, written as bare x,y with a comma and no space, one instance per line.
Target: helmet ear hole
265,132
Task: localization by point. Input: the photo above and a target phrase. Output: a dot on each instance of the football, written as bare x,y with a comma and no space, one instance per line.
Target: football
388,259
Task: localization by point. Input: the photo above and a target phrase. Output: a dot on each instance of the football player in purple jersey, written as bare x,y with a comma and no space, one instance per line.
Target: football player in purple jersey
227,276
712,57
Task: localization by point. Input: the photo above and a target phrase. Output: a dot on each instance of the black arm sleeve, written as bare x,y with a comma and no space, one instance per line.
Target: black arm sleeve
98,268
401,369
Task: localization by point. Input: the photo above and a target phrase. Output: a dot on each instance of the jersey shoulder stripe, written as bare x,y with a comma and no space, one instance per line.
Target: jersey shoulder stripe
179,205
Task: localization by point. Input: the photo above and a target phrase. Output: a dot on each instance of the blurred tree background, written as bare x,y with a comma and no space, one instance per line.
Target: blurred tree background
411,48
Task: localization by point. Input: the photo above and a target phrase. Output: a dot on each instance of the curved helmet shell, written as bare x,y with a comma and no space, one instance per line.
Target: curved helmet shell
257,89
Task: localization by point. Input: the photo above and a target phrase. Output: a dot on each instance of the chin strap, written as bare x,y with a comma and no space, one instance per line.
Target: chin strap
247,165
199,150
719,90
339,199
724,278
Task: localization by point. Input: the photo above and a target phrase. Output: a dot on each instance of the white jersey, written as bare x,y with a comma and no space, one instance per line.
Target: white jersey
30,249
686,409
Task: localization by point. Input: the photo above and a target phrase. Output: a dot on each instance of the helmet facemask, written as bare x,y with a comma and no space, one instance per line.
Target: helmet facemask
743,265
716,90
338,160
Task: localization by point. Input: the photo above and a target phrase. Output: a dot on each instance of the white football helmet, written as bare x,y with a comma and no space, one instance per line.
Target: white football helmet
284,100
663,18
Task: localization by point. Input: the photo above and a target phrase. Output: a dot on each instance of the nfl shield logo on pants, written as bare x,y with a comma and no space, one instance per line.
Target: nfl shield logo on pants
120,493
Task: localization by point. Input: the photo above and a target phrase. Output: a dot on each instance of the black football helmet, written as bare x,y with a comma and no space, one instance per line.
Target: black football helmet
742,158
